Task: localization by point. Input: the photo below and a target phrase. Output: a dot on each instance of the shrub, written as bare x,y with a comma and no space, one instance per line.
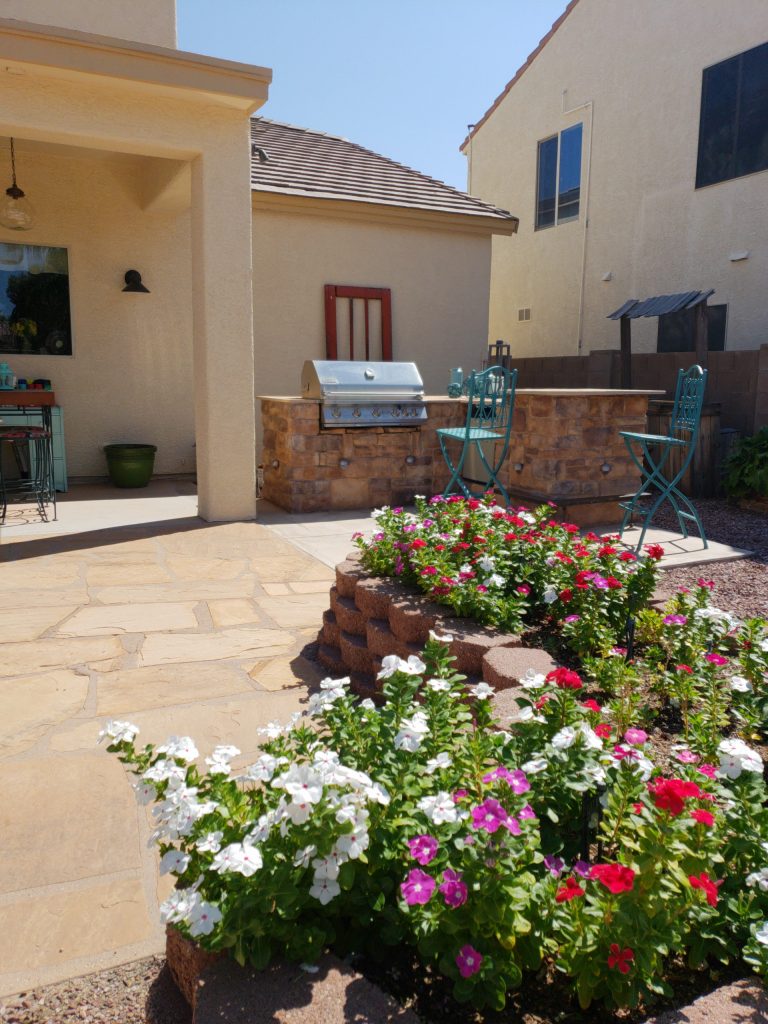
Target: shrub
746,470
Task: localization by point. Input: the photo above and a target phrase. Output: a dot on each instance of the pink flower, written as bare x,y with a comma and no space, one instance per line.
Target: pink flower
675,620
513,825
636,737
469,961
708,769
459,795
526,812
515,779
716,659
423,848
709,584
489,815
571,618
686,757
523,589
418,887
453,889
429,570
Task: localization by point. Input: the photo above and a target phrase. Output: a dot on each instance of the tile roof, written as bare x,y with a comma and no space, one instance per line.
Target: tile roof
520,71
303,162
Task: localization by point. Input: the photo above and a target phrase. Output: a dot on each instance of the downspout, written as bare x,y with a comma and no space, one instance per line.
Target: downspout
587,179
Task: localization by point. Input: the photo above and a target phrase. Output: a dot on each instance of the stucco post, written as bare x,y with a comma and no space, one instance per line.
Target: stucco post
223,360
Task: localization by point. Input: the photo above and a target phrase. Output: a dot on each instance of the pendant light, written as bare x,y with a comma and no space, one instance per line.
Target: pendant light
16,211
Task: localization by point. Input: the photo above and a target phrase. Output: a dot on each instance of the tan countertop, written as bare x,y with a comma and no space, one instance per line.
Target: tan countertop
548,392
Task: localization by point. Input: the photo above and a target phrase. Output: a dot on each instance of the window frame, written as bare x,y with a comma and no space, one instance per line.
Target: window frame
721,309
332,292
558,135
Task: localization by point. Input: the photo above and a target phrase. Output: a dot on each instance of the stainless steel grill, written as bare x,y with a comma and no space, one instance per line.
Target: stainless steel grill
360,394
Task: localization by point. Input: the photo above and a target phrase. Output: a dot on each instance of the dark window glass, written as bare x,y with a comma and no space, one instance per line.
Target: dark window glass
547,183
569,179
733,127
677,331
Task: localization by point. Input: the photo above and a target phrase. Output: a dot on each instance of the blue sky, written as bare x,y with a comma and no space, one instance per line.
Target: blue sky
402,77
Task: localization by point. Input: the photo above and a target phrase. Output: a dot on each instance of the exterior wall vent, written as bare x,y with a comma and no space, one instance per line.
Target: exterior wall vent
524,315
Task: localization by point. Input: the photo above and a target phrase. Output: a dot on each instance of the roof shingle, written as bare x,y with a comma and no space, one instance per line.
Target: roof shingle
303,162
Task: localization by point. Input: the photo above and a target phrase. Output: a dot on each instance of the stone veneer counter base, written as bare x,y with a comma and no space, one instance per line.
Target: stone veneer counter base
565,448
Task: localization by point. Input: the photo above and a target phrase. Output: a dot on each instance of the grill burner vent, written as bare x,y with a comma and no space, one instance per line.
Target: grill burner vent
360,394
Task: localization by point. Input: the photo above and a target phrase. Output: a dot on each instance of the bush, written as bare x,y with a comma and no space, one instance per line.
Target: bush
746,470
422,823
507,569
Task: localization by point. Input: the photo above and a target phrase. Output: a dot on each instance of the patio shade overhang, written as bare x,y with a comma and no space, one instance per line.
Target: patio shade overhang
161,71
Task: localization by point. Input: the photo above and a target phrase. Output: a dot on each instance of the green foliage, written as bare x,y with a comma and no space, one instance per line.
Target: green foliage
746,471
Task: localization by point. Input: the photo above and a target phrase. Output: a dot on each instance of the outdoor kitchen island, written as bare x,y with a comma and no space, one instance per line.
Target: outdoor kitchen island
565,448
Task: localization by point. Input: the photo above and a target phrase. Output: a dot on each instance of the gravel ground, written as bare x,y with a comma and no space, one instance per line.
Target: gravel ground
741,586
122,995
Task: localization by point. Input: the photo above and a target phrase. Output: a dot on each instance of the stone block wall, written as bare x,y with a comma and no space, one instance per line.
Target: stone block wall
370,618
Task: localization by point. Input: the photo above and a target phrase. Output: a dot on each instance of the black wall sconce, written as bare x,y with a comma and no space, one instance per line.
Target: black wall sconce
133,282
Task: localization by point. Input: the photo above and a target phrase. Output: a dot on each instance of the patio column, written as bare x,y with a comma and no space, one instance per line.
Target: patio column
223,360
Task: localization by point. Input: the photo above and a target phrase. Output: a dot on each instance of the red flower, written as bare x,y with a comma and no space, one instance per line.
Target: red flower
542,701
439,547
591,705
510,536
671,794
607,550
708,886
638,808
570,527
703,817
570,891
709,584
565,679
627,556
655,551
615,877
603,730
620,958
566,595
473,503
613,583
418,543
684,668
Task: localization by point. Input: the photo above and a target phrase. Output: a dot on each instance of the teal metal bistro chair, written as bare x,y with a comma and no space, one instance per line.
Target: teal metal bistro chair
490,405
651,454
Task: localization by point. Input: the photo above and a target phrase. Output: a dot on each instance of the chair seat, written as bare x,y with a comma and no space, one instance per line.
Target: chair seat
20,434
654,438
473,434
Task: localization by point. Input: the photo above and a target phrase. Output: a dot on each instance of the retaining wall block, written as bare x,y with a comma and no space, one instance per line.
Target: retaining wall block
413,616
504,667
330,657
471,642
373,596
348,615
329,634
347,575
355,653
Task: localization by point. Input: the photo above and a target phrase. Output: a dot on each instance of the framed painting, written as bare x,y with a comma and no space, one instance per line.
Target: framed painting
34,300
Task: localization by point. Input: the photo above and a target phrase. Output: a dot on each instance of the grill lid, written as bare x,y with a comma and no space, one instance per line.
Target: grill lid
326,379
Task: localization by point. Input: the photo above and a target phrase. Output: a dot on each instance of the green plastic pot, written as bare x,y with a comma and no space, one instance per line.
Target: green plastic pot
130,465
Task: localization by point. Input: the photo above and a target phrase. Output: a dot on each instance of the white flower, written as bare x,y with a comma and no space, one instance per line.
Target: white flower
441,638
594,774
378,513
376,794
591,740
391,664
486,563
302,783
238,858
759,878
303,857
762,933
352,844
564,738
272,730
181,747
119,732
145,793
203,918
529,715
174,861
533,680
177,906
739,684
736,757
481,691
325,699
333,684
166,771
439,808
324,890
327,867
438,685
435,764
225,752
412,732
261,770
536,764
298,812
368,704
210,842
764,645
264,825
549,596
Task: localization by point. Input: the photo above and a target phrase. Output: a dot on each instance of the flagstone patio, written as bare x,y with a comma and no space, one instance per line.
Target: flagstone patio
178,625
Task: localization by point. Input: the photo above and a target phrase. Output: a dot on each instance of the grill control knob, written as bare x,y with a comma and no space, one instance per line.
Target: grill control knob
369,374
356,412
376,411
397,411
335,412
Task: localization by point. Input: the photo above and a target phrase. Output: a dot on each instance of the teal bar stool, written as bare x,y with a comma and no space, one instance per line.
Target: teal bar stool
490,406
651,452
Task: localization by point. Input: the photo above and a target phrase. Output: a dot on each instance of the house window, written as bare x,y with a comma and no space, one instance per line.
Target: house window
733,127
34,300
677,331
358,323
558,184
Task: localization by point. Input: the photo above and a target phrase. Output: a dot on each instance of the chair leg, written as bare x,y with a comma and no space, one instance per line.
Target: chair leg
493,472
456,479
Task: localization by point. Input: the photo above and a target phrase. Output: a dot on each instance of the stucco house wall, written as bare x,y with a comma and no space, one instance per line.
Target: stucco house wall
143,21
633,72
129,377
439,281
